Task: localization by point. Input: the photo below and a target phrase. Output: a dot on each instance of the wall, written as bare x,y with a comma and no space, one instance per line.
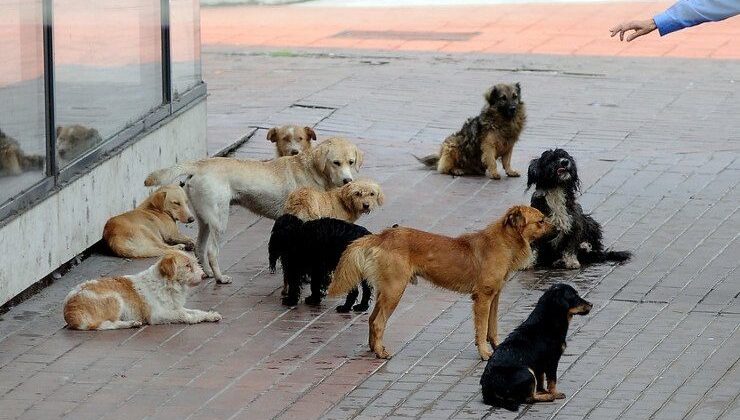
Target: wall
48,235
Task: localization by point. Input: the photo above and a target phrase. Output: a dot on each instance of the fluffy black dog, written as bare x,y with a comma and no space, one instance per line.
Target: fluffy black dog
576,238
313,249
515,374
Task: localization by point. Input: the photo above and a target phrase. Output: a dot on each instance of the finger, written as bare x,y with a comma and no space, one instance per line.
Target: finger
636,34
621,35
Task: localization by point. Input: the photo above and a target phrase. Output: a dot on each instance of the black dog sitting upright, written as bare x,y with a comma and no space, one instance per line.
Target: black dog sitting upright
577,237
313,249
516,373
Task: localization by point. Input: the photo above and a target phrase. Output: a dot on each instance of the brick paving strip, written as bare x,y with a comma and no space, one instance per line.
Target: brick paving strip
657,145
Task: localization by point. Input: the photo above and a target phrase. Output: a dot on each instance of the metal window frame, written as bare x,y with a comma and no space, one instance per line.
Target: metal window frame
57,178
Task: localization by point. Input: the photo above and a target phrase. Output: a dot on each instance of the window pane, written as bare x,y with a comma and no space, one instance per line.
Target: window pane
22,117
107,63
185,42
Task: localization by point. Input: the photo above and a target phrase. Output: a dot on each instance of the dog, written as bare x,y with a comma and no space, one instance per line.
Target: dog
13,161
477,263
74,140
516,373
576,238
313,249
262,187
154,296
346,203
150,230
491,135
291,139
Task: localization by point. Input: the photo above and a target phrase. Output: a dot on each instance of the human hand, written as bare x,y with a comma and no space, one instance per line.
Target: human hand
640,28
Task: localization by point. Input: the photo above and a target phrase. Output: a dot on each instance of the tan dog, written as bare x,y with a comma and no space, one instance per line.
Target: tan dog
477,263
13,161
262,187
291,139
74,140
154,296
345,203
150,230
491,135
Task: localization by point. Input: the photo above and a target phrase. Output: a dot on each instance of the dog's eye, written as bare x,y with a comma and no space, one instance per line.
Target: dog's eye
372,194
358,194
177,203
336,162
351,162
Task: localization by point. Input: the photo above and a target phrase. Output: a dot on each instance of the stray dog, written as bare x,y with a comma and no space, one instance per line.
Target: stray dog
150,230
13,161
262,187
291,139
74,140
516,372
477,263
313,249
343,203
491,135
154,296
576,237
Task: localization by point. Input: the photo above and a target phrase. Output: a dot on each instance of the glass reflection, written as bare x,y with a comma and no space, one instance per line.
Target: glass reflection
185,42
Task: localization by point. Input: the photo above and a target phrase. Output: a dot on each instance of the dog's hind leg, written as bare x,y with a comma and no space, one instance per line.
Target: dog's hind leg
218,228
351,298
384,307
493,322
367,293
319,278
201,249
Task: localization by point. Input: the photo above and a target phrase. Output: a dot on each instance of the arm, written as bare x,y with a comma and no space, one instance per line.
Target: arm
687,13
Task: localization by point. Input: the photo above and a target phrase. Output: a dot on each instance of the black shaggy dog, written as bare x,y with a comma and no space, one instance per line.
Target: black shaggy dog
515,374
313,249
576,238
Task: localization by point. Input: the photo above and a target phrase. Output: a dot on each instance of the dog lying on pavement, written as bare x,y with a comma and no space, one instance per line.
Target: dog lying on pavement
516,373
154,296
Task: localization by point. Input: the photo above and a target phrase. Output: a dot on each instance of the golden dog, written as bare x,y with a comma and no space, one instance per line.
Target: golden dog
346,203
477,263
150,230
291,139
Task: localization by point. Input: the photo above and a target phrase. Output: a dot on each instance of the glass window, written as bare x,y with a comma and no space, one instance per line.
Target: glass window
185,42
22,115
108,74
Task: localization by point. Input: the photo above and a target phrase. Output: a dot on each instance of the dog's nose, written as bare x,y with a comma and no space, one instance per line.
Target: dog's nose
564,162
365,206
191,219
512,109
294,152
347,180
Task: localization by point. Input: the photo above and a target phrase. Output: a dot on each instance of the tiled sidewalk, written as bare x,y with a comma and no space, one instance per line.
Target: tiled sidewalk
657,146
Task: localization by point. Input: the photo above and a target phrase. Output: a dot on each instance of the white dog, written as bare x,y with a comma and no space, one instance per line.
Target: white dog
154,296
262,187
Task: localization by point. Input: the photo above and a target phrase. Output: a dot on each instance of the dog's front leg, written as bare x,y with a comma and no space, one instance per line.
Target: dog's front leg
197,316
482,302
488,157
493,321
552,382
177,238
506,161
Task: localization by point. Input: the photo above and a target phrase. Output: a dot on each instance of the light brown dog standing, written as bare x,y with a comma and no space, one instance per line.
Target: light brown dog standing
477,263
150,230
346,203
291,139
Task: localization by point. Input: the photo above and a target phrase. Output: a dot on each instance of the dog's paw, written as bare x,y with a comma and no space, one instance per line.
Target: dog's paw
223,280
313,300
512,173
136,324
343,309
361,307
485,353
213,316
180,247
382,353
290,301
189,246
492,175
559,395
456,172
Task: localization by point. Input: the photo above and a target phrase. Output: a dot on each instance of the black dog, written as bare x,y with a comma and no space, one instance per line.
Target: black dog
313,249
576,238
516,372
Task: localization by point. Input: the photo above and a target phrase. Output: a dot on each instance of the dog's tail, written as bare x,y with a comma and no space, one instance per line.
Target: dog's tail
32,162
619,257
167,175
429,160
353,265
283,233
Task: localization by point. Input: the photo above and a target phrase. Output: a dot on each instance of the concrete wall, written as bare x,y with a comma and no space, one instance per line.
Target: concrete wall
53,232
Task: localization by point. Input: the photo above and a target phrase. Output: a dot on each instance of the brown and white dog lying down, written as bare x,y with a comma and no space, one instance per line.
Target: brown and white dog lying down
262,187
477,263
346,203
291,139
150,230
154,296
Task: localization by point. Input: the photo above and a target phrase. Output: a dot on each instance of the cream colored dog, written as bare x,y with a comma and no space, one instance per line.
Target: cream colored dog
154,296
150,230
346,203
291,139
262,187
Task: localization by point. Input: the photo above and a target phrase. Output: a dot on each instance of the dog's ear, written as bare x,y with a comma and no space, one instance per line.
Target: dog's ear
158,199
345,194
59,130
359,157
168,266
533,173
272,135
515,218
310,132
381,196
491,94
320,156
518,90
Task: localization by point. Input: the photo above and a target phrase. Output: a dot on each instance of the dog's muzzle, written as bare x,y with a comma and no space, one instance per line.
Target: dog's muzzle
294,152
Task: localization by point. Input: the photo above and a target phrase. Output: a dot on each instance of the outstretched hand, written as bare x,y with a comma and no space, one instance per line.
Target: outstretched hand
640,28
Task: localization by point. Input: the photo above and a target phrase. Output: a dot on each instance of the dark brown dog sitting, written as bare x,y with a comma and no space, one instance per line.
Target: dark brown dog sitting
516,373
491,135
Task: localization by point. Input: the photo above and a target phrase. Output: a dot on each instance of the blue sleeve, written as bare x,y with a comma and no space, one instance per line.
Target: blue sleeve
687,13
